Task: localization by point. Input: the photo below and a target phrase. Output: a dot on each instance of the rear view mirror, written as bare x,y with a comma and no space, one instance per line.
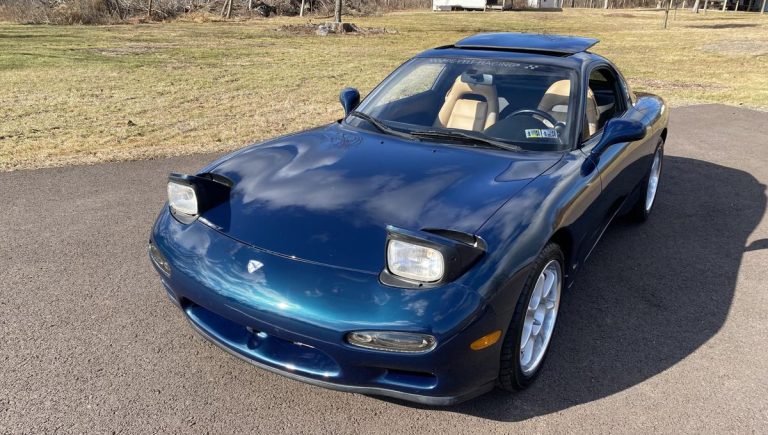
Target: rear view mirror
475,78
349,99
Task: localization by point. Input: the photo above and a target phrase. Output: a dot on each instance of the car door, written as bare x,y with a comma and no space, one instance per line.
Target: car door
621,166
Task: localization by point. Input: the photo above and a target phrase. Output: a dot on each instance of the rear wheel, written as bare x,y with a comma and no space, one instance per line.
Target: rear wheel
642,208
533,323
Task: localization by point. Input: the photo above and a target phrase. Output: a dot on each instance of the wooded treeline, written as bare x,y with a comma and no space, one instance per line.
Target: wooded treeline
115,11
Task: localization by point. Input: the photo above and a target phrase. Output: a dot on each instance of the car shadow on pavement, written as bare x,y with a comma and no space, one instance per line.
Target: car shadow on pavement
649,295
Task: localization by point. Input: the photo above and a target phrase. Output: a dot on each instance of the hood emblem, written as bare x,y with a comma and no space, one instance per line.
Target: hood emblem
254,265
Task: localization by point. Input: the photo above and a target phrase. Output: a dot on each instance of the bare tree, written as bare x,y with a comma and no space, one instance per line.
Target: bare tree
149,10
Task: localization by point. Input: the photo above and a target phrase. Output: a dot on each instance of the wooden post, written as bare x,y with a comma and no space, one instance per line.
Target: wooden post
149,10
337,12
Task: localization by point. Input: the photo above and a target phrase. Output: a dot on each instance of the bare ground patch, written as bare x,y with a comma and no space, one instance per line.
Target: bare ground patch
666,84
132,49
739,47
323,29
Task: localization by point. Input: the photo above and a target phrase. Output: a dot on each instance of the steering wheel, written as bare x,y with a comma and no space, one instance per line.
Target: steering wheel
532,112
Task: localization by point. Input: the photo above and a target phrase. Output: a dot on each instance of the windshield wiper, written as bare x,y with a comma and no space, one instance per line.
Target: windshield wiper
466,138
384,128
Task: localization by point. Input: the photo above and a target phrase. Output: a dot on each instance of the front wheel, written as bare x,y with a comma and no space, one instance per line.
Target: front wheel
533,323
642,208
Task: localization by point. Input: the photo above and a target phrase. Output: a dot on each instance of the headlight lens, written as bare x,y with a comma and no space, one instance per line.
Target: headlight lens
182,198
415,262
392,341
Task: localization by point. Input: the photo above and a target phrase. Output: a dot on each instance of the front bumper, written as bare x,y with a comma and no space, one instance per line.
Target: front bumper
264,317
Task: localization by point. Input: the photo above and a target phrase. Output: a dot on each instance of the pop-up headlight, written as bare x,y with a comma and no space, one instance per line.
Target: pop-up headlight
428,258
191,195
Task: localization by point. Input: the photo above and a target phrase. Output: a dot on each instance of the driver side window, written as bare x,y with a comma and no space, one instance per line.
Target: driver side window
604,101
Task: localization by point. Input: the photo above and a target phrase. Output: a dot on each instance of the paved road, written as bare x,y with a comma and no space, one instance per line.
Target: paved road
666,329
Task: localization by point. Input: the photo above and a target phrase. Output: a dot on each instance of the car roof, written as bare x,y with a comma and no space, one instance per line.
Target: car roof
567,51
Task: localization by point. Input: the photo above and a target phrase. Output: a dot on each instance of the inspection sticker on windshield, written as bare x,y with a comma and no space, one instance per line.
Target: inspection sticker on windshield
547,133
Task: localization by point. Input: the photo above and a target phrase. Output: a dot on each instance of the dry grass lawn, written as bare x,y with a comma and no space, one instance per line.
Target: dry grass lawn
91,94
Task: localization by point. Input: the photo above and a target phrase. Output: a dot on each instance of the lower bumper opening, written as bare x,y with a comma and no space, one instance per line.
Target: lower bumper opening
407,379
259,346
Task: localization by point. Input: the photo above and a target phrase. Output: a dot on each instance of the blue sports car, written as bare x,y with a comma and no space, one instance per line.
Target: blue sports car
418,248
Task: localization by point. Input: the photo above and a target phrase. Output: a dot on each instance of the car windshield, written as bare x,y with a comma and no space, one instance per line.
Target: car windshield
480,102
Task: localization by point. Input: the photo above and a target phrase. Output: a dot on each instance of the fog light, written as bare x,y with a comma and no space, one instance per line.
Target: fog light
159,259
486,341
392,341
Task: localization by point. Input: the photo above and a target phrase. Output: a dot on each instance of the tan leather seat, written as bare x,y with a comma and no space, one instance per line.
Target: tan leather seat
469,114
555,102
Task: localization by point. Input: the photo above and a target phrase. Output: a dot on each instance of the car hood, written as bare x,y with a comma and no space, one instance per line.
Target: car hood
327,195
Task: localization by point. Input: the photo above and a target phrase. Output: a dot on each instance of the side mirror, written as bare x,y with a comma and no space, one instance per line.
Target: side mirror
619,130
349,99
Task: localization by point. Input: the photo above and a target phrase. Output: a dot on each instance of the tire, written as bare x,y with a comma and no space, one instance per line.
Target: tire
641,210
513,374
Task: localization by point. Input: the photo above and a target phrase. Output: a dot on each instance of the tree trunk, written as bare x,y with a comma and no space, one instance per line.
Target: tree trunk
149,10
696,7
706,5
337,11
301,11
762,10
229,9
605,5
666,13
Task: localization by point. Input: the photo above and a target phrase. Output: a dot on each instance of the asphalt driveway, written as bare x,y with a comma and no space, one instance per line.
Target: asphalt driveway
666,329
